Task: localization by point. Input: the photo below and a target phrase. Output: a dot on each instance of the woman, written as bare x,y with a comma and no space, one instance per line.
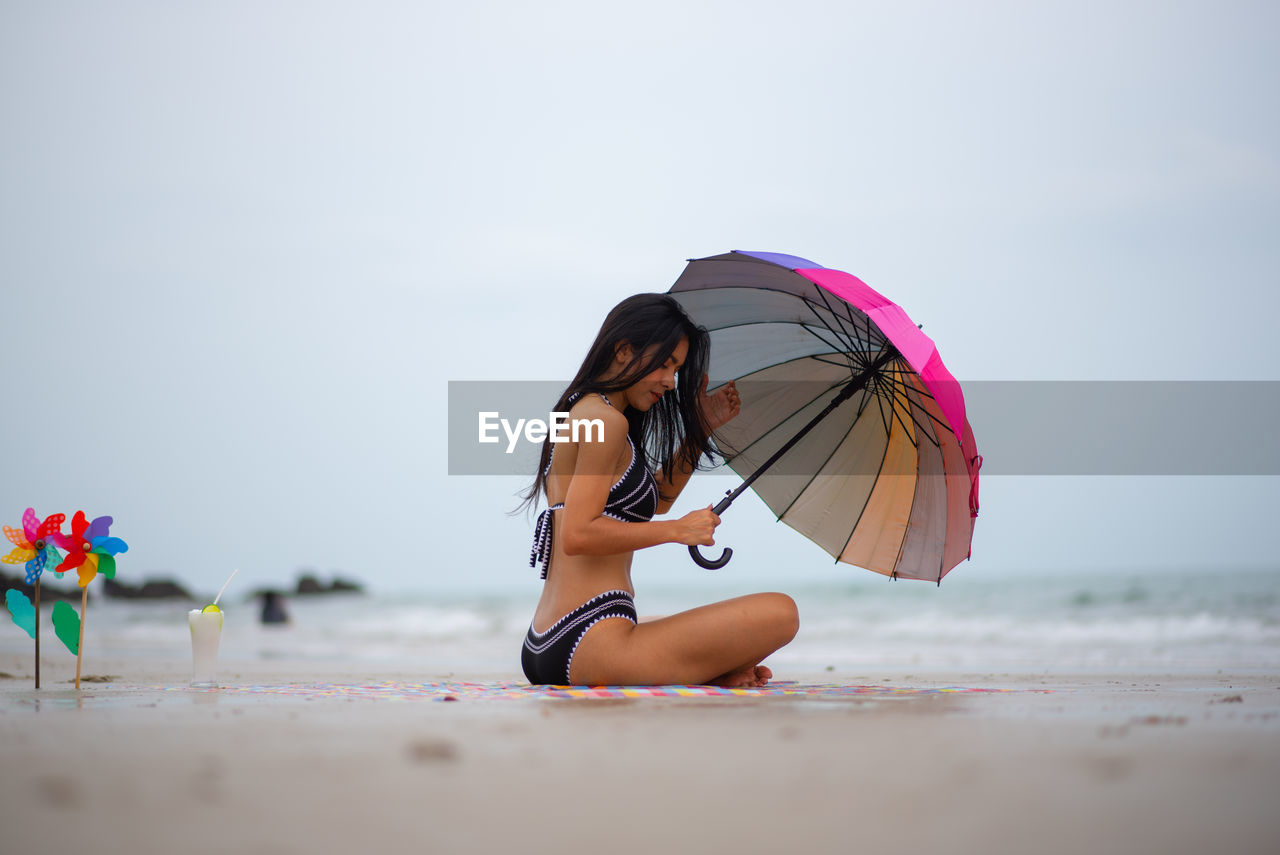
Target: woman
645,380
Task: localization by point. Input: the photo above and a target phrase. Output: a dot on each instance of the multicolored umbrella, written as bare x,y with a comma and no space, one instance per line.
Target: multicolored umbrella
852,430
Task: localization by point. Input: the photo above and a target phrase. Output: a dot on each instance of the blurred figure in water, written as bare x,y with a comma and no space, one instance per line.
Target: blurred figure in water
273,608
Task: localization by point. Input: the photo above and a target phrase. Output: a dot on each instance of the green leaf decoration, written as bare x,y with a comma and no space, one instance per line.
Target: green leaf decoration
66,625
24,614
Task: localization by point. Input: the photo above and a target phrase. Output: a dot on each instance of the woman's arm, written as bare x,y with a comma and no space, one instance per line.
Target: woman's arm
719,409
681,472
586,531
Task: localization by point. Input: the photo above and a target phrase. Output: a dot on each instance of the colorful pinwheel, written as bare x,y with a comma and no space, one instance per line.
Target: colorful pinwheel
90,548
33,544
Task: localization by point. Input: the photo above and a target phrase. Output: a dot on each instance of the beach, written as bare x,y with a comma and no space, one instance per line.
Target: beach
1122,712
1099,763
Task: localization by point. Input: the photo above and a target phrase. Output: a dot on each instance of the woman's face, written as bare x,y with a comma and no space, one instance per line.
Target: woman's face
651,387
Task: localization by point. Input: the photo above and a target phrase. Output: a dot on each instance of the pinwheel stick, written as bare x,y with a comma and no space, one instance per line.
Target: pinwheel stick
851,388
37,632
84,607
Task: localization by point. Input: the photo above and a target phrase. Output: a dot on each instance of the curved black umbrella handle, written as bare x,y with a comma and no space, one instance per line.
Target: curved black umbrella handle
721,507
708,563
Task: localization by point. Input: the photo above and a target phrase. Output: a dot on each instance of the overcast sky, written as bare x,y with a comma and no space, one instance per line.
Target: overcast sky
245,246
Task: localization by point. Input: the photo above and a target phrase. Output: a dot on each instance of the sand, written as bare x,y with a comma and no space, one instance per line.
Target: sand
1097,764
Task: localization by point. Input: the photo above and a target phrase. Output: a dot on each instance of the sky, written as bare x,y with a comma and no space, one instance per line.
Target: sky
244,248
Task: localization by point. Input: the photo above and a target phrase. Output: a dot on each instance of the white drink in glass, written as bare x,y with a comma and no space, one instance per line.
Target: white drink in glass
206,630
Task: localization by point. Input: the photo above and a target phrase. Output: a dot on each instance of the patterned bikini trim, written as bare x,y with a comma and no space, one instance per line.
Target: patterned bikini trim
594,610
568,665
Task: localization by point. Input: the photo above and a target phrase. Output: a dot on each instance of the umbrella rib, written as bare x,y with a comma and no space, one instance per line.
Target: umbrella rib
862,510
879,473
890,396
871,337
900,390
794,413
924,392
942,553
857,361
902,544
818,469
848,310
845,364
866,399
923,427
862,406
782,291
855,385
897,417
850,337
836,314
880,403
840,335
934,420
835,348
911,406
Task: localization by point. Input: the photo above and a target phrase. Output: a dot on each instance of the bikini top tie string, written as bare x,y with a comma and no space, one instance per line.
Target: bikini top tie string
541,551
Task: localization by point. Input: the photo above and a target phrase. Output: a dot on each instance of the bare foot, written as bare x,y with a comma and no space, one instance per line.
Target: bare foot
749,677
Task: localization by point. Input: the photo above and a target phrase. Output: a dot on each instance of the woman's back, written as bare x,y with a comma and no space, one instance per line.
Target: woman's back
633,496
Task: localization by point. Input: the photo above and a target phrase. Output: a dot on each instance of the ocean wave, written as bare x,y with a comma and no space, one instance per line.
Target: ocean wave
1210,622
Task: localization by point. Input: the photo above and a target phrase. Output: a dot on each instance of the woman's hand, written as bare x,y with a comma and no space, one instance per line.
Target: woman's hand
721,406
697,528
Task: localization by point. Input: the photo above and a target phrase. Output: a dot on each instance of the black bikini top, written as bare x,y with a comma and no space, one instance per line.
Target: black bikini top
632,498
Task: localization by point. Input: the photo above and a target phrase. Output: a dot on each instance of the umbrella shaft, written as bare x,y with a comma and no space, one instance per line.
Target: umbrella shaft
851,388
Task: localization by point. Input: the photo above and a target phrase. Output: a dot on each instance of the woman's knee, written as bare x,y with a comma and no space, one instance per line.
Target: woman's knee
781,615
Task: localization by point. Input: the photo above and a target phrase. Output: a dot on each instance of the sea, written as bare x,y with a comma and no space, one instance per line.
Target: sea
1182,621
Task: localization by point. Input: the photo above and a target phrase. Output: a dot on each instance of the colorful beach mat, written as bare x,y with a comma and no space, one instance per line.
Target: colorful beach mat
455,691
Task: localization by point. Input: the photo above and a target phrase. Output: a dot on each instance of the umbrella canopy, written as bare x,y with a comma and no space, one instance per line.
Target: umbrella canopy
852,430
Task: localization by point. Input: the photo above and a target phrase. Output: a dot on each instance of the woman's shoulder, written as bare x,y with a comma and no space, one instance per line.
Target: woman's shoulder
593,408
594,405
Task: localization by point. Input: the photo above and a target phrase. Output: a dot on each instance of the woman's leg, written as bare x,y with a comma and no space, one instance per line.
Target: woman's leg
723,641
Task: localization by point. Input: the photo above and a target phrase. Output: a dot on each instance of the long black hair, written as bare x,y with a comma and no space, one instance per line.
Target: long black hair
674,430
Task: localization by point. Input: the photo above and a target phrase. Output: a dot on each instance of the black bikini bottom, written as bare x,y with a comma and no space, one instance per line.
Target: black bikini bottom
546,656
